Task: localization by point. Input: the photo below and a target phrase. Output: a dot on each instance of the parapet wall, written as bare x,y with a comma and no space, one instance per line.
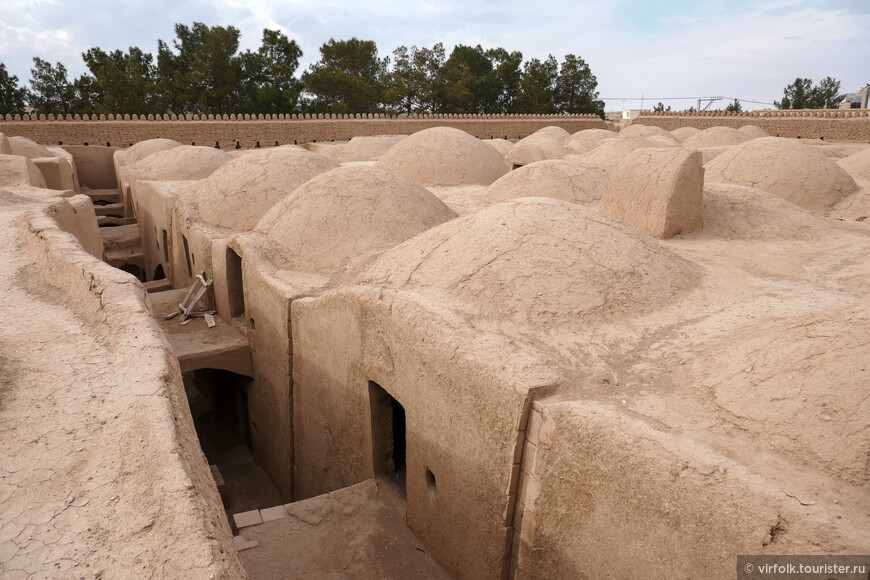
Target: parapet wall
166,477
830,125
228,131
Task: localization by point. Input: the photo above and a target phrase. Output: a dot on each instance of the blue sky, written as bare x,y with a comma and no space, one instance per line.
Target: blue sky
677,48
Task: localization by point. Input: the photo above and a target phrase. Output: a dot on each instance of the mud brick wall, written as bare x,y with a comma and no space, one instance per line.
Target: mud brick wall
246,132
830,125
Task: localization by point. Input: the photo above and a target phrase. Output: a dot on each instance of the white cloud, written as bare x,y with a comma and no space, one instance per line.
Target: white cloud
19,44
733,47
749,54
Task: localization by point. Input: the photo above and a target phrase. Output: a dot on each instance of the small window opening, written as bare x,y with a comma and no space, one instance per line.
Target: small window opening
388,436
165,247
159,274
430,479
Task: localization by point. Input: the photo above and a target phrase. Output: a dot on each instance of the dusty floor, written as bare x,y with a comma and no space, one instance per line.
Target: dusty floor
248,486
356,532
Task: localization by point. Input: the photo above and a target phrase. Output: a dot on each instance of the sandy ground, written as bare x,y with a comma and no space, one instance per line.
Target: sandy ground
75,443
51,484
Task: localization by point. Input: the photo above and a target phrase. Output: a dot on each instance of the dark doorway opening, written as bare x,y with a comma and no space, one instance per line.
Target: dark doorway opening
159,274
135,270
219,405
235,287
388,436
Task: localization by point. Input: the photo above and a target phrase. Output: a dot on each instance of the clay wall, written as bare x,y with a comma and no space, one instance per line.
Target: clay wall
463,419
606,494
154,201
830,125
94,165
182,490
267,304
230,131
75,215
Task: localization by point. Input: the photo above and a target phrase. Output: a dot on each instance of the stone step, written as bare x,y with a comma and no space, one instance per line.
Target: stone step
111,221
110,209
126,236
123,256
104,195
163,285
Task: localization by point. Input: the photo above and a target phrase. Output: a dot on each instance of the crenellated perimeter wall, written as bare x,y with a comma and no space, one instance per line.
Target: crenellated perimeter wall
246,131
830,124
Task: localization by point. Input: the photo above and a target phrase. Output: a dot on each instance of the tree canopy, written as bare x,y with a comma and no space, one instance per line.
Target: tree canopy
201,70
349,77
12,96
802,94
734,107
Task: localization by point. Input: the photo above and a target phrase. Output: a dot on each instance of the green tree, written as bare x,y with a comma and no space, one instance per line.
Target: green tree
660,108
468,81
348,78
801,94
414,84
576,86
506,78
88,95
122,82
202,75
796,95
538,86
734,107
50,89
826,95
12,96
169,68
270,71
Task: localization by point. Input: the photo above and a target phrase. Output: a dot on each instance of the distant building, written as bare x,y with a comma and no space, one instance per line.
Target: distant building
856,100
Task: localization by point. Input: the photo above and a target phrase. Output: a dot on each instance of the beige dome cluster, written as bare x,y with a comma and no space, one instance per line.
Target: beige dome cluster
534,261
555,178
577,349
443,156
343,215
240,192
787,168
183,163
